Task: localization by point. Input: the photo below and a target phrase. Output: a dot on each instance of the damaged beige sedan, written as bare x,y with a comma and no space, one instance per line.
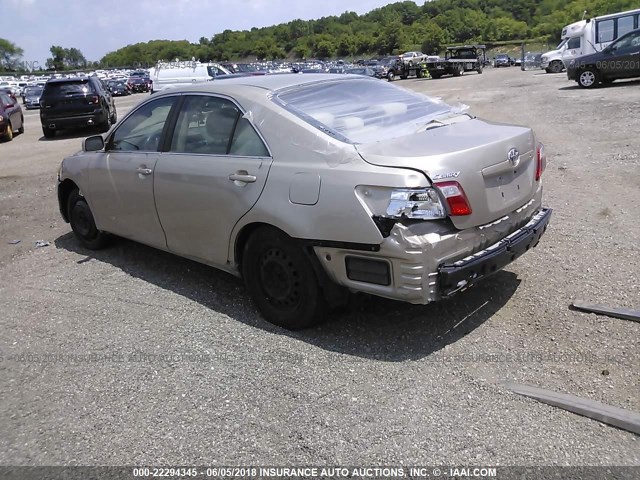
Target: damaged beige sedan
309,186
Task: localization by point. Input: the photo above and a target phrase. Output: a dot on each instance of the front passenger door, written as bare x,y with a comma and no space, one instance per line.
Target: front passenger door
212,175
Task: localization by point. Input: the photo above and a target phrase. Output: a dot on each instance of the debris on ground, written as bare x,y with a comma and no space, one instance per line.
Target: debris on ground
623,313
614,416
41,243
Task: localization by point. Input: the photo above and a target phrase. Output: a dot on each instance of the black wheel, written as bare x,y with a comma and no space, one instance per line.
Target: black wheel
588,77
21,129
48,132
419,74
555,67
479,69
114,116
82,222
281,280
9,135
391,76
457,72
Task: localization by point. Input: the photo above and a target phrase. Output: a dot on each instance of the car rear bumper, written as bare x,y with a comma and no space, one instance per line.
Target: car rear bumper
463,273
424,262
75,121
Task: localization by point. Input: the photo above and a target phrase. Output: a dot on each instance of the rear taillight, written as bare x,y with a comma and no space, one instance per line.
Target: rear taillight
456,198
541,161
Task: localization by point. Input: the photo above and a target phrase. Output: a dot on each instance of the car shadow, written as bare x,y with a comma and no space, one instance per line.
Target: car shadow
369,327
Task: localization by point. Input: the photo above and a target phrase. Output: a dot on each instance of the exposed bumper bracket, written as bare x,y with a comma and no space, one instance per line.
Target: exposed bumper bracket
463,273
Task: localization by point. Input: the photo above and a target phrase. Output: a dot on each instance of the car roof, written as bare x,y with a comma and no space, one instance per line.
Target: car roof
68,79
272,82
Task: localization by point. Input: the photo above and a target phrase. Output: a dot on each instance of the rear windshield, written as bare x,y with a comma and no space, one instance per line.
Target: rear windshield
362,110
68,88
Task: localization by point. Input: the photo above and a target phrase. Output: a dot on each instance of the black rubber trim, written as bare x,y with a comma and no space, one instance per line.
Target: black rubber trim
463,273
365,247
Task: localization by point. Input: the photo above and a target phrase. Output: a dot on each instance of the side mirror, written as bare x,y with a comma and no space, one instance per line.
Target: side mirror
93,144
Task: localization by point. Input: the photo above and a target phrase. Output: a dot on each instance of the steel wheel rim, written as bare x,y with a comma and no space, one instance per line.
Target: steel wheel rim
280,279
82,220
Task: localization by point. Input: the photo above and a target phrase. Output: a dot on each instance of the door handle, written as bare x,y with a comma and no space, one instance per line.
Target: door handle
243,177
144,171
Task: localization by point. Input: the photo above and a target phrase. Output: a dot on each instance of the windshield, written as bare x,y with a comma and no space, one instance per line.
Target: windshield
561,44
68,88
362,110
33,91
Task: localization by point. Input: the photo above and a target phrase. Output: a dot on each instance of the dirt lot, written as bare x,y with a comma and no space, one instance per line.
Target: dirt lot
385,383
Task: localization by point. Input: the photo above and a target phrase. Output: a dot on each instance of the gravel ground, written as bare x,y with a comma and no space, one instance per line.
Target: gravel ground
184,371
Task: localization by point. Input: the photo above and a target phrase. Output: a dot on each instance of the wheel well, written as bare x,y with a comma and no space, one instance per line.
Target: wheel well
242,238
64,190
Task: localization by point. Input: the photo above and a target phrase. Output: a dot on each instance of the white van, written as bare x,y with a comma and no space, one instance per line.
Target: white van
174,74
589,36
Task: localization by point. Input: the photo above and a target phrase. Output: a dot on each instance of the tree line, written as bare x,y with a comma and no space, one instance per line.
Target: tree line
392,29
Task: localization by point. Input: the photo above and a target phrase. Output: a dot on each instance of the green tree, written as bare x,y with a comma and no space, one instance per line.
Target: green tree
56,61
10,55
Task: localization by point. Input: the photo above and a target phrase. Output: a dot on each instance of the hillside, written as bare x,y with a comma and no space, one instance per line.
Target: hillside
397,27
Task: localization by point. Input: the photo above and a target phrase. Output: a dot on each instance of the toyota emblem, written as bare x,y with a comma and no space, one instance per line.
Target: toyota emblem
513,156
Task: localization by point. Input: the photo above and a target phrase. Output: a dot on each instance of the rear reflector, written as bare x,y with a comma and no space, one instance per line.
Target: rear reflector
456,198
368,270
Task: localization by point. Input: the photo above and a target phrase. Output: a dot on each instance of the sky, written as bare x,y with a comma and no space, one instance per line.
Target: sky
97,27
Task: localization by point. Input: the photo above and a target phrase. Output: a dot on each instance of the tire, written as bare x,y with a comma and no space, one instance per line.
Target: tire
588,77
106,124
555,67
48,132
21,129
479,69
114,116
391,76
82,222
458,72
9,135
419,74
282,281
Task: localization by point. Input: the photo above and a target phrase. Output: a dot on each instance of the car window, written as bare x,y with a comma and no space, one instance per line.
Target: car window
573,43
625,25
5,100
605,31
68,88
362,110
632,42
142,130
246,142
205,125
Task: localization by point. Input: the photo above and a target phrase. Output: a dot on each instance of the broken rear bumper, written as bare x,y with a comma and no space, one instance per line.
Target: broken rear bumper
460,275
423,262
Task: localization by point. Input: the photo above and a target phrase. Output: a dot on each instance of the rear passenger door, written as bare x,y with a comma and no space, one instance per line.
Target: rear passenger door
212,174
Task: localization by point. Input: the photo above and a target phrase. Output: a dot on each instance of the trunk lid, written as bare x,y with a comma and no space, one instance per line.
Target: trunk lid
472,152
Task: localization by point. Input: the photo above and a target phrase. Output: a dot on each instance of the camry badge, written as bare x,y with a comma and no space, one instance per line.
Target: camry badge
514,157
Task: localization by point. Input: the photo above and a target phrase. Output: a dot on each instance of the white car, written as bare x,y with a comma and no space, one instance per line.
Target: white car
413,57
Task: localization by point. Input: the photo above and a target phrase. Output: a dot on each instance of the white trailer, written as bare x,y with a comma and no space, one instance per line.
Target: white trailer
589,36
